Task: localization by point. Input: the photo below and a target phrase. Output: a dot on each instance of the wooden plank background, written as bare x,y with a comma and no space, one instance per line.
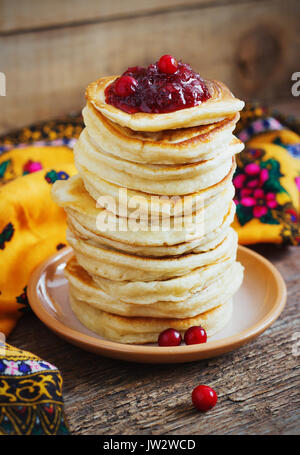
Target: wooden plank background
29,14
50,50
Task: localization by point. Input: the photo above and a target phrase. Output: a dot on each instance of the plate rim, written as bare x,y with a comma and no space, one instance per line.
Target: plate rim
126,351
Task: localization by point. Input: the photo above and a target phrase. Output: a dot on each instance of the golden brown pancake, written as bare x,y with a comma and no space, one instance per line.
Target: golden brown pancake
115,265
214,293
205,243
179,146
161,207
86,219
140,330
171,290
221,104
154,179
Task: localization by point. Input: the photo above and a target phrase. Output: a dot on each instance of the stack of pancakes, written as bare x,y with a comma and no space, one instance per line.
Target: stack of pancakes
149,217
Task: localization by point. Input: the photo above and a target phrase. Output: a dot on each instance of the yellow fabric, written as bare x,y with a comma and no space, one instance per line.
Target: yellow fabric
256,231
287,137
35,223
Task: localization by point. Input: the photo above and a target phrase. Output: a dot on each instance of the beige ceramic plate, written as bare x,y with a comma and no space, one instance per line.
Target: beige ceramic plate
257,305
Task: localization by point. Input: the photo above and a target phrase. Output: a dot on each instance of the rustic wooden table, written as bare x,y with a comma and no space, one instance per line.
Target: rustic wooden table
258,385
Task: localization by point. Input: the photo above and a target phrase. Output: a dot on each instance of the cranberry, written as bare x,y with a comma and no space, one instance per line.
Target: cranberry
204,398
125,86
195,335
153,91
169,337
167,64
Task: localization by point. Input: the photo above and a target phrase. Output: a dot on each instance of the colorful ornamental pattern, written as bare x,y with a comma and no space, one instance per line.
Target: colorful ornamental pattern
3,167
31,166
257,192
52,176
6,235
23,300
30,394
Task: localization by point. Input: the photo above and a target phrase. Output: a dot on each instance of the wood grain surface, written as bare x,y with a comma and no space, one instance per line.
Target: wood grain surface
258,385
18,16
50,50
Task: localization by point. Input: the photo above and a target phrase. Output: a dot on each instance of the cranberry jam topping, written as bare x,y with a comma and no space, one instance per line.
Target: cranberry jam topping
165,86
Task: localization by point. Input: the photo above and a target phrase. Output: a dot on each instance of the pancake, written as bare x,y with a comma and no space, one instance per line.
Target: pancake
221,104
112,264
171,290
83,212
215,292
139,330
205,243
179,146
160,206
154,179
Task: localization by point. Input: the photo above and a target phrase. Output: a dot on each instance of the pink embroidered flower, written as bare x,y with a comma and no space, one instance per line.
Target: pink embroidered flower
257,183
35,366
253,177
263,176
32,166
253,200
259,211
252,169
259,200
297,181
12,368
239,181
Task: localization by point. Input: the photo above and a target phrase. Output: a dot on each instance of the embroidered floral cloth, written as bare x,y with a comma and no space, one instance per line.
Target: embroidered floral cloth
32,227
30,394
267,183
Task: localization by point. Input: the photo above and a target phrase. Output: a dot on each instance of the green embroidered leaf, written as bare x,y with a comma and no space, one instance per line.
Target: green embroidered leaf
244,214
274,186
273,167
6,235
277,141
3,166
51,176
268,218
273,183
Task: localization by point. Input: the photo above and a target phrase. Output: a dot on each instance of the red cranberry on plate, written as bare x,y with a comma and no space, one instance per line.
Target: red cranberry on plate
195,335
169,337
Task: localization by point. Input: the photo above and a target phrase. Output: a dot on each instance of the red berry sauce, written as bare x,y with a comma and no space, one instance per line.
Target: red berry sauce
125,86
167,64
165,86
